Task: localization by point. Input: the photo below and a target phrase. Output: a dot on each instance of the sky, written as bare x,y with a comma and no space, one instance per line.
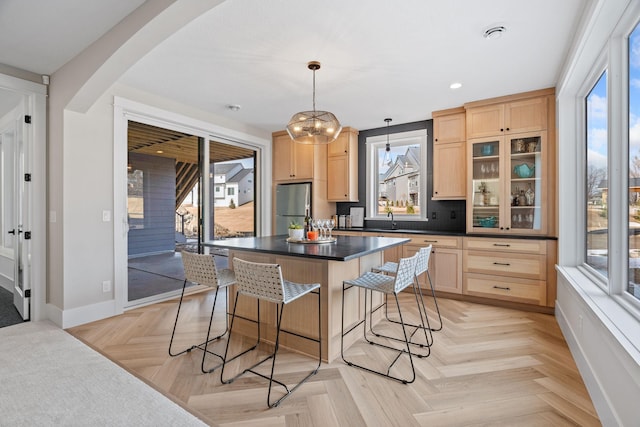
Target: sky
597,109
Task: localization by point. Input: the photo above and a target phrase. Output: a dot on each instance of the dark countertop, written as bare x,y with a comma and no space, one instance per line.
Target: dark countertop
447,233
344,249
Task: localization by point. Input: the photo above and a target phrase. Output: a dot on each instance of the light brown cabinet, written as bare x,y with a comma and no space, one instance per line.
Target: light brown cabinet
517,116
508,184
511,164
342,167
449,125
291,161
449,155
510,270
445,263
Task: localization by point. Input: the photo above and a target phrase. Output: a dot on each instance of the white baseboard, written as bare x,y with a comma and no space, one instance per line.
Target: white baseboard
81,315
596,391
7,286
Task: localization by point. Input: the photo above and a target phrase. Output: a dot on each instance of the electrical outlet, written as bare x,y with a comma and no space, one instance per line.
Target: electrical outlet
106,286
433,215
106,216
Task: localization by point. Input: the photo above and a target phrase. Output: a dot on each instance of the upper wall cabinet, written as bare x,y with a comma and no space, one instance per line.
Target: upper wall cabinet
342,167
507,115
449,154
511,165
291,161
449,125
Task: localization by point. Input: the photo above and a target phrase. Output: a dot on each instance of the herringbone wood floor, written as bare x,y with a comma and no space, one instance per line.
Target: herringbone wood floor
488,366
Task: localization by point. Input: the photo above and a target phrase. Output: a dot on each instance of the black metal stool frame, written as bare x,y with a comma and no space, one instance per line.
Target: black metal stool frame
279,313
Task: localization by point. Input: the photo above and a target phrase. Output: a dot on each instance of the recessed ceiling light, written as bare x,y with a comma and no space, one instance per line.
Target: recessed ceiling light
455,85
159,151
494,32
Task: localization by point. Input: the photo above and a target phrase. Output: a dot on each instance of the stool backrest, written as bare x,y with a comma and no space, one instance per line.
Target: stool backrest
406,272
200,268
261,280
422,264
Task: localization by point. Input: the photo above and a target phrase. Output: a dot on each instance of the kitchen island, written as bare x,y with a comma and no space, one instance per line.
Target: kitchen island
325,263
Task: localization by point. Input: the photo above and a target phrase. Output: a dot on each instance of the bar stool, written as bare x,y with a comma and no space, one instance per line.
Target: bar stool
422,266
391,267
388,285
265,283
201,269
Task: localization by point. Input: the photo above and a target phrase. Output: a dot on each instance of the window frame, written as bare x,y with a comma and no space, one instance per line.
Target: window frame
590,83
372,144
614,58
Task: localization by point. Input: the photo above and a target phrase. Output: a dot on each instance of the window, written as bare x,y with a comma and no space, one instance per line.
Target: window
633,260
596,185
231,191
396,179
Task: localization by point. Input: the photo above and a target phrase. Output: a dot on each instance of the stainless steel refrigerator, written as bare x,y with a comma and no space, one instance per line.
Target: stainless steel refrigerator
292,202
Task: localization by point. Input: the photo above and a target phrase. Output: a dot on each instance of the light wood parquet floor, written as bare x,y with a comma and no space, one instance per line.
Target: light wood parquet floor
488,366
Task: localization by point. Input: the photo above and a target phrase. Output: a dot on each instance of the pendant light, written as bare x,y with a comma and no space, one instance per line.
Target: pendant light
386,160
314,127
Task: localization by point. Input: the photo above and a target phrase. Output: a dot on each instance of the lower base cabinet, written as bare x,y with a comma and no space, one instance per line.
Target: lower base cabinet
511,270
445,263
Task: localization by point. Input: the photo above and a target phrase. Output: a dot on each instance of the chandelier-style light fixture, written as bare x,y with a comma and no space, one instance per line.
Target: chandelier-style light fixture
314,127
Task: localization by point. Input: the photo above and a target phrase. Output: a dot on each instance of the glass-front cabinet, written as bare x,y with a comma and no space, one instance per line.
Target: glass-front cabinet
507,184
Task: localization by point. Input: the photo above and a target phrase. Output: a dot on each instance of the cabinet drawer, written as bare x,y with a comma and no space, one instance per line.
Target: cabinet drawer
517,290
506,245
505,264
452,242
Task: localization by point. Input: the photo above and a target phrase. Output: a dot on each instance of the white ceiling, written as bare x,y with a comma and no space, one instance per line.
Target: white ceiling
379,58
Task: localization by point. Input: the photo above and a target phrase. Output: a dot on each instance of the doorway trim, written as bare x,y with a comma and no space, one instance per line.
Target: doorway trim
125,110
35,106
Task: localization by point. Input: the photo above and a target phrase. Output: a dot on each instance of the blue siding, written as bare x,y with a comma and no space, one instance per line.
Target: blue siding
157,233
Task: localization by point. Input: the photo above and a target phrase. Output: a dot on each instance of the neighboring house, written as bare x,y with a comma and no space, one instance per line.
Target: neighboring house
634,192
401,182
232,184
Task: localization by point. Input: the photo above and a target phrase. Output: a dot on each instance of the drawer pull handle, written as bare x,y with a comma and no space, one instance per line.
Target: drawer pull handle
430,241
504,288
502,244
502,263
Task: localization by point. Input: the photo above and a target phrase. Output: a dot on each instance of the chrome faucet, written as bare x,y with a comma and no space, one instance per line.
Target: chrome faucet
393,223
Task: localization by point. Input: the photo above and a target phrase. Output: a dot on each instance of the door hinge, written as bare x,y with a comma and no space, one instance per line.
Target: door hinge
27,235
27,293
27,177
27,119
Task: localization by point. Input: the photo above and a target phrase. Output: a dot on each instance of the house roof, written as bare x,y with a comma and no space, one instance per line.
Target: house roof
240,175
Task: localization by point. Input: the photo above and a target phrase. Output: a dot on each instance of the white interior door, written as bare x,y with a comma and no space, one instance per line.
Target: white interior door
14,272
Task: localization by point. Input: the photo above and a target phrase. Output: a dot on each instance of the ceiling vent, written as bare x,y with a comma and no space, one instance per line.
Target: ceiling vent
494,32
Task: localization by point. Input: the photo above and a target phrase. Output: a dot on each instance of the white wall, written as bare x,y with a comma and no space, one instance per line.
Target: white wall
89,243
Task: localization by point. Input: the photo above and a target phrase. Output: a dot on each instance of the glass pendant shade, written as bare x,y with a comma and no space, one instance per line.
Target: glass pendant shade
314,127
